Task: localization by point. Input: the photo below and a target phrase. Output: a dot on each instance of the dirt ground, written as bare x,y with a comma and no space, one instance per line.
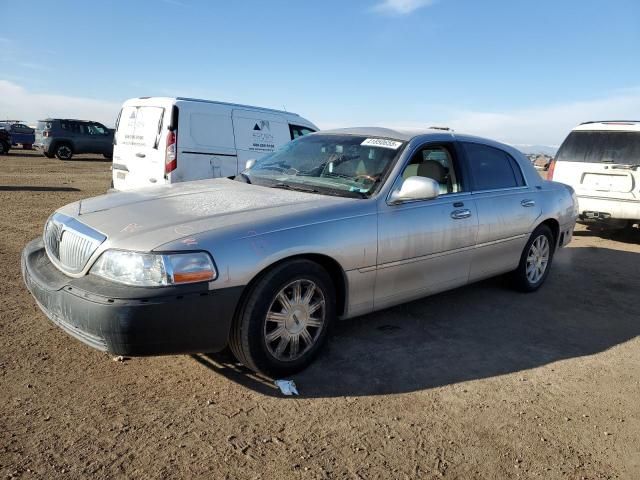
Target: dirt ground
481,382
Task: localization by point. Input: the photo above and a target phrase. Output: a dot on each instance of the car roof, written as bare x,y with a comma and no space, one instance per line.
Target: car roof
610,125
403,135
67,120
424,134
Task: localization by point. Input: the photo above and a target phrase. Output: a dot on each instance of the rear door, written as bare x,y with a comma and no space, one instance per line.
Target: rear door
138,154
258,133
508,209
601,164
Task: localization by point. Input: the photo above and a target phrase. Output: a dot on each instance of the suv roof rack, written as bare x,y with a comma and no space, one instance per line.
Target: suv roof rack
446,129
611,121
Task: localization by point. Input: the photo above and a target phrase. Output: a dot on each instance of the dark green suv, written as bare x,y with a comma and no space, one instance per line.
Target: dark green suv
64,138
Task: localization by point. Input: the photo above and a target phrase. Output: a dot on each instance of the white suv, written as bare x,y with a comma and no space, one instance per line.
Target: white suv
601,161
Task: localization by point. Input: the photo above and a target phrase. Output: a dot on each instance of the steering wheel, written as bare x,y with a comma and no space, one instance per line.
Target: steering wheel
360,178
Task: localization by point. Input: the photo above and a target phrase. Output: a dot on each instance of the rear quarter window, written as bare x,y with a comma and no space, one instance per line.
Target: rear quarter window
492,168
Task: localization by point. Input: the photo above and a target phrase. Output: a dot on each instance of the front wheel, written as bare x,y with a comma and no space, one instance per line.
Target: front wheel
535,261
64,152
285,319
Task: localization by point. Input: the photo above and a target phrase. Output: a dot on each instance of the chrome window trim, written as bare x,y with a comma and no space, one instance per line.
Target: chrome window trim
498,190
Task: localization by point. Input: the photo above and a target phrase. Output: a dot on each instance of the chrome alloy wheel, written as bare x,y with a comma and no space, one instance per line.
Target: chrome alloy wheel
538,259
294,320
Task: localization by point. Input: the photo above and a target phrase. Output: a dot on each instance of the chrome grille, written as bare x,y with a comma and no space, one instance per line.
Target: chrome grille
70,243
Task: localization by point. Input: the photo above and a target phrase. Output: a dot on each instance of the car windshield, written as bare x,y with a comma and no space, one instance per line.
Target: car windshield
345,165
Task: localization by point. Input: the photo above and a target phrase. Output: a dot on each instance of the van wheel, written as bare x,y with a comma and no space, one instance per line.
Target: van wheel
535,261
284,320
64,152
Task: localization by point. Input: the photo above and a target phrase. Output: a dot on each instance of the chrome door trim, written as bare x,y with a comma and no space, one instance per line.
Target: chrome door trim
440,254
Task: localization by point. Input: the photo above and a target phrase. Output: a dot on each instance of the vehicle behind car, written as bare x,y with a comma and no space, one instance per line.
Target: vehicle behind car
64,138
163,140
21,134
601,161
5,141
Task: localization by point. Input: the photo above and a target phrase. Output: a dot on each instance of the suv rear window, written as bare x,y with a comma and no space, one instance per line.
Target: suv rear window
601,147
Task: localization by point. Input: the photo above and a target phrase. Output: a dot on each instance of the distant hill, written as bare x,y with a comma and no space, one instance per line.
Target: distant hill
537,149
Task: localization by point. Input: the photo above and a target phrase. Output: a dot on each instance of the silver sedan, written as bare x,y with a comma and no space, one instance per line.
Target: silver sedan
333,225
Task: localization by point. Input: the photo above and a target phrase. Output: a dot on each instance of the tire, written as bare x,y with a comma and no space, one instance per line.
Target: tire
49,155
529,277
108,157
4,148
268,346
64,151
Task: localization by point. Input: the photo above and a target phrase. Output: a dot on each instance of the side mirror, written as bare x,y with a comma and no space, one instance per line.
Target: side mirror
415,188
250,163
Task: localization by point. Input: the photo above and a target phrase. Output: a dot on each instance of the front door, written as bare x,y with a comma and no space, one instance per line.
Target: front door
426,246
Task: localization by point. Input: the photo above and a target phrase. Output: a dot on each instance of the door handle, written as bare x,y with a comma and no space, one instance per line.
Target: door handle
528,203
460,214
140,155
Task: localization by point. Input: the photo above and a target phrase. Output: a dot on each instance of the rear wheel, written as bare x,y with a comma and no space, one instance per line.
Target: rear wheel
285,319
535,261
64,152
49,155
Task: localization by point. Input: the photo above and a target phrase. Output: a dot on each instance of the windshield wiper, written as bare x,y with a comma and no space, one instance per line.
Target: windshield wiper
245,178
287,186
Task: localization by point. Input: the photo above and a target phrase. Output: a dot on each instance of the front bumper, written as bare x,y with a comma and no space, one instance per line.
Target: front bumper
131,321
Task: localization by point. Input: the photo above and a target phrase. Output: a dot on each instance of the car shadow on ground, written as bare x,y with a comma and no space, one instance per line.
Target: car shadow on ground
36,188
626,235
588,305
76,158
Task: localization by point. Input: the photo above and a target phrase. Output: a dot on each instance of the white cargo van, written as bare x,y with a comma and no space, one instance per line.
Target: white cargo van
601,161
167,140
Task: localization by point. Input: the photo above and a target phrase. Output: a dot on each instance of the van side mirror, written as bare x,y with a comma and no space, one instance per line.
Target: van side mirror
250,163
415,188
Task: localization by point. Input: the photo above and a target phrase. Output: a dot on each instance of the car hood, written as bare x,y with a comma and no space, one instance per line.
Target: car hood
147,218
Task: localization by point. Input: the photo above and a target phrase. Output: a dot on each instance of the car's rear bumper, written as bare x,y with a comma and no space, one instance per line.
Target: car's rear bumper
130,321
598,209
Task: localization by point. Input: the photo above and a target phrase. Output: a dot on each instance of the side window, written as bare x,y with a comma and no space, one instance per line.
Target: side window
96,129
298,131
491,168
436,162
63,125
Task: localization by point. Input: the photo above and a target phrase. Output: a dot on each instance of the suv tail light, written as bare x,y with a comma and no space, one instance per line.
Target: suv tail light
552,167
171,155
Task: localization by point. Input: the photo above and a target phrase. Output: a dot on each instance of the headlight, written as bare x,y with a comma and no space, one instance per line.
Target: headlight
154,270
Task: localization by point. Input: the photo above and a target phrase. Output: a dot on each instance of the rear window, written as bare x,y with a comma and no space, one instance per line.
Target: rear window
601,147
140,126
491,168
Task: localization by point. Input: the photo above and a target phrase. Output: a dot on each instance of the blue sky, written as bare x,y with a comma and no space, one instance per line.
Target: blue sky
519,71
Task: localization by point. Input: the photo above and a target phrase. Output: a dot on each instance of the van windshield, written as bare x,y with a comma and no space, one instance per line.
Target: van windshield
140,126
601,147
345,165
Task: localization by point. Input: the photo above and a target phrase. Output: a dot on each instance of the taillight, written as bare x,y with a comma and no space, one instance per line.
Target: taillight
171,155
552,167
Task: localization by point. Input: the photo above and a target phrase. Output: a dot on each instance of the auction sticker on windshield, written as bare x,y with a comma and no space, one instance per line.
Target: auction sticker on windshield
381,142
